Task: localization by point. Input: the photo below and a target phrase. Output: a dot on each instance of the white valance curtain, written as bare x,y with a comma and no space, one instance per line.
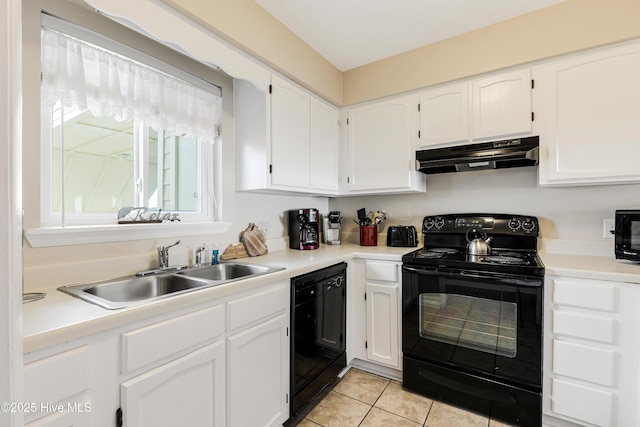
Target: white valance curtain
82,75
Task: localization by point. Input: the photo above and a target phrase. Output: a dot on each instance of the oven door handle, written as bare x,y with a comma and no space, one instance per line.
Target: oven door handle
421,271
496,278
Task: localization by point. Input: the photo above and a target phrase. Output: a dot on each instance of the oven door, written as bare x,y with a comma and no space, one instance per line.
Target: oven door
483,324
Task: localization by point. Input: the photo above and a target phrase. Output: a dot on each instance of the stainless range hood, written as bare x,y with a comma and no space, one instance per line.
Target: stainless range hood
507,153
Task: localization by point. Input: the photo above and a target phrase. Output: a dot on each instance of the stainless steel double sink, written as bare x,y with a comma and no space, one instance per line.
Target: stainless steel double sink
127,291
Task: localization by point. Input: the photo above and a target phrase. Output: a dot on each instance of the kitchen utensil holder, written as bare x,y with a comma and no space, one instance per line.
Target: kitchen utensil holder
369,235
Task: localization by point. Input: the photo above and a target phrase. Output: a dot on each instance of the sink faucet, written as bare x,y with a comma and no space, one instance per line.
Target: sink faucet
199,252
163,255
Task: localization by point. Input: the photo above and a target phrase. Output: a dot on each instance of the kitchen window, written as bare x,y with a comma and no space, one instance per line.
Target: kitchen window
121,129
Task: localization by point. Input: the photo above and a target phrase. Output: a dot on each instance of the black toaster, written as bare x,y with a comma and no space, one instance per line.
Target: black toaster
402,236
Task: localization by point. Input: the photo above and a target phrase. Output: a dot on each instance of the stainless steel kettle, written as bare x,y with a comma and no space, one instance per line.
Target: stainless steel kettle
478,242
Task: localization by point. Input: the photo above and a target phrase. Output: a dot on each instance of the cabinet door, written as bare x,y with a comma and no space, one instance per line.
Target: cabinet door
189,391
380,139
289,135
590,105
383,345
502,105
444,115
258,375
323,148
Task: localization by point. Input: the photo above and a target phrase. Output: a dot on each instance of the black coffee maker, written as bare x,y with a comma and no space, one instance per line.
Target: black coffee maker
304,229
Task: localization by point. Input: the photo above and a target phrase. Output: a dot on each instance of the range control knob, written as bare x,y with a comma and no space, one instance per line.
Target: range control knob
429,222
339,281
528,225
439,222
514,224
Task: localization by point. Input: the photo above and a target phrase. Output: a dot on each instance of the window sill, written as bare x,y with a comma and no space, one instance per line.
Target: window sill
82,235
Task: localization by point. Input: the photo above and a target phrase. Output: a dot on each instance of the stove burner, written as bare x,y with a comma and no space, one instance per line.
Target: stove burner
503,259
428,254
433,253
448,251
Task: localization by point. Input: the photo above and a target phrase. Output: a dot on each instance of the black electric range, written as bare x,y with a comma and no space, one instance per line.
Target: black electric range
472,322
514,244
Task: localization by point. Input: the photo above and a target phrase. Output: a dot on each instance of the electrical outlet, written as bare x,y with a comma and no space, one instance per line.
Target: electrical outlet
608,228
264,226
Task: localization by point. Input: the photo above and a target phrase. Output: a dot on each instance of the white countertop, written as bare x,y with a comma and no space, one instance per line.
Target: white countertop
590,267
60,317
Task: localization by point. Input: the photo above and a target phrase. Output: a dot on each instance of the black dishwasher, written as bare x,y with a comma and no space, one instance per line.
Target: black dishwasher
318,331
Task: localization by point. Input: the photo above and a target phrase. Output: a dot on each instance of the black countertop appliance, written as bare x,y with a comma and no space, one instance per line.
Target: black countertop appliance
304,229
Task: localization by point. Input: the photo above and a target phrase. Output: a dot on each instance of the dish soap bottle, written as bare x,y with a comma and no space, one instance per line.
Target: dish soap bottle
214,256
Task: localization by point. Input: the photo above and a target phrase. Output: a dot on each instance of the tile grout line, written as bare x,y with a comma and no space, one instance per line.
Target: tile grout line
373,404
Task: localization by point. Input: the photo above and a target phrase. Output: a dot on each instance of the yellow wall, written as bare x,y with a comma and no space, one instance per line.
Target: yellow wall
566,27
249,27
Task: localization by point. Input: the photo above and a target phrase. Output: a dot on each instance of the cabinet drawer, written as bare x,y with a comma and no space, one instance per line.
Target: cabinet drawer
582,403
587,327
596,365
585,294
58,377
258,306
154,342
382,271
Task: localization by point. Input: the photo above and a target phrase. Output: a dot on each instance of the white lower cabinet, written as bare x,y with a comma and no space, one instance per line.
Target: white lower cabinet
71,384
220,364
591,352
376,313
258,358
258,375
189,391
382,324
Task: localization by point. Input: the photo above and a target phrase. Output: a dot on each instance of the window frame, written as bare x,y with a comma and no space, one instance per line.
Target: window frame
49,218
40,234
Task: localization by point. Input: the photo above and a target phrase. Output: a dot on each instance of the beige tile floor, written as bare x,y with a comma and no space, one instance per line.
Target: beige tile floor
367,400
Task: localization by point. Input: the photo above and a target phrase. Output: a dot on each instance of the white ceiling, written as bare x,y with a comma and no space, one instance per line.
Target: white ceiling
351,33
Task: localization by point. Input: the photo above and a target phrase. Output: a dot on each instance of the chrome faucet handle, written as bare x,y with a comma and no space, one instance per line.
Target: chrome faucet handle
163,254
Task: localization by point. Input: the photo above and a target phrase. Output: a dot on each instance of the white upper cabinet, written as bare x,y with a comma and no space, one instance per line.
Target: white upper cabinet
381,139
444,114
493,107
589,109
286,140
323,148
502,105
290,126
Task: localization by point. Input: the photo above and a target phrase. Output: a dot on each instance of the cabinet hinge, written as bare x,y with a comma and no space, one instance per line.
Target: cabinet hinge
270,88
365,296
418,107
533,83
418,134
119,417
347,180
270,168
533,116
347,121
287,331
286,398
365,344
